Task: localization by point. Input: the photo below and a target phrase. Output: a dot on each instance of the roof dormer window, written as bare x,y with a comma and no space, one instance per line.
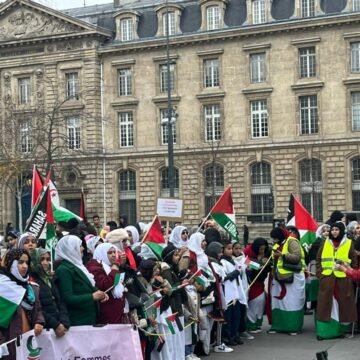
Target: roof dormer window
212,14
126,25
259,11
213,17
169,15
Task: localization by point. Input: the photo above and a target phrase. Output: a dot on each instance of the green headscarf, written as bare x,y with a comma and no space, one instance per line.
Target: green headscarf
36,268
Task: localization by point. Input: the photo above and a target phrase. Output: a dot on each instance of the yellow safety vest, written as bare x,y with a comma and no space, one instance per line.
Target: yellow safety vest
285,250
329,256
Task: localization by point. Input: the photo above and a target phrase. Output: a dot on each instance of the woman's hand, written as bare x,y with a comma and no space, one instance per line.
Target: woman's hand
99,295
106,298
38,328
60,330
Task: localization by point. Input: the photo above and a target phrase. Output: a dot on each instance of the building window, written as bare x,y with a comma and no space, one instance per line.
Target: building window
355,111
126,126
259,119
164,77
212,122
261,192
25,136
356,5
24,85
307,62
259,11
172,23
73,129
165,128
213,17
307,8
311,187
355,57
164,182
127,195
127,31
355,182
211,73
125,83
309,123
72,85
257,68
214,185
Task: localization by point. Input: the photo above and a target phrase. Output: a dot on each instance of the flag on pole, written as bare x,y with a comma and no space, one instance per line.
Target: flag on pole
254,265
82,205
174,323
224,214
154,237
299,217
51,238
11,296
36,186
119,277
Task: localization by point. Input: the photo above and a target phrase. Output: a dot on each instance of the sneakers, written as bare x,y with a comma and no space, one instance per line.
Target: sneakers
256,331
192,357
293,333
222,349
271,332
247,336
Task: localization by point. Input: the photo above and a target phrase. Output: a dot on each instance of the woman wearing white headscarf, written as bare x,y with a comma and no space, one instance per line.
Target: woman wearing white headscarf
105,268
179,238
134,236
76,284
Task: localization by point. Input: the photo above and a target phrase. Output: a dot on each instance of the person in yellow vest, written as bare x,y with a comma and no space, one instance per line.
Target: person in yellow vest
288,284
336,302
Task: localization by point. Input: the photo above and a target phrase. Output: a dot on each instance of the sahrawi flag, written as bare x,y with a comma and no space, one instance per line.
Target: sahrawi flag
10,298
299,217
174,323
223,213
154,238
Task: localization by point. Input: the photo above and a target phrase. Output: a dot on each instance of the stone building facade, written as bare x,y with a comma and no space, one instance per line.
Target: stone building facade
265,94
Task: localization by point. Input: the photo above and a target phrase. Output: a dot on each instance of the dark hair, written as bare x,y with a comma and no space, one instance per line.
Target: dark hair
96,216
258,242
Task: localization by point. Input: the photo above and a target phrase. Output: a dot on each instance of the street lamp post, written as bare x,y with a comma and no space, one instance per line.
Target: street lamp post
170,115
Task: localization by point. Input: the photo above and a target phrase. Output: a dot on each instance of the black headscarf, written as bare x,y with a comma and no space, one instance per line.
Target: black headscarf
146,268
212,235
340,225
213,250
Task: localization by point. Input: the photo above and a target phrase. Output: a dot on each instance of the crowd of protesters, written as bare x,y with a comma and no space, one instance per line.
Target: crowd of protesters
214,290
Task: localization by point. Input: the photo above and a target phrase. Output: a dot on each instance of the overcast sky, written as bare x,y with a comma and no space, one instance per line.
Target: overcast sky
67,4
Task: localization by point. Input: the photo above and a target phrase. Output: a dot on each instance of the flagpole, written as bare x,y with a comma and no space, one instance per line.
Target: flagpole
207,216
147,231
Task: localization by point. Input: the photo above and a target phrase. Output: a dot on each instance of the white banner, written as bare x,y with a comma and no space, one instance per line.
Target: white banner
111,342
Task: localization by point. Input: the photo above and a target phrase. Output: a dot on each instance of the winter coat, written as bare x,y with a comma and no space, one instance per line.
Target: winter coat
53,307
111,311
76,291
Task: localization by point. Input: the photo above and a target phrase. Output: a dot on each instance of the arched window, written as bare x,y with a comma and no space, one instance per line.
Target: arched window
311,187
262,201
355,183
164,182
214,185
127,195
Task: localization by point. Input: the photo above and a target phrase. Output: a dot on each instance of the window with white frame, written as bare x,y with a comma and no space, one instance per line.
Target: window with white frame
24,88
355,57
309,122
26,143
127,195
311,186
213,17
257,68
307,62
212,122
356,5
259,119
261,190
73,130
164,77
165,127
259,11
307,8
211,73
125,82
171,18
72,85
214,185
126,127
127,30
355,111
164,182
355,183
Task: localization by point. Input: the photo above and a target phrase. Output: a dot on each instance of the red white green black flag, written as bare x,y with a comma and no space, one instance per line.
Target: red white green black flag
224,214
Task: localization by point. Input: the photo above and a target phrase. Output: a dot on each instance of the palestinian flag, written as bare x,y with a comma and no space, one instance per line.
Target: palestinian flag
154,238
299,217
155,307
51,238
160,342
223,213
180,286
60,213
155,294
10,298
37,186
174,323
254,265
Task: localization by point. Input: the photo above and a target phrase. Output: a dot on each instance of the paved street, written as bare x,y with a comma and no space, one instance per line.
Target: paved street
301,347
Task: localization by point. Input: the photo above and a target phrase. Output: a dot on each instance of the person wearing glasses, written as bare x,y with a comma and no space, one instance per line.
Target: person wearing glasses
179,238
28,242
